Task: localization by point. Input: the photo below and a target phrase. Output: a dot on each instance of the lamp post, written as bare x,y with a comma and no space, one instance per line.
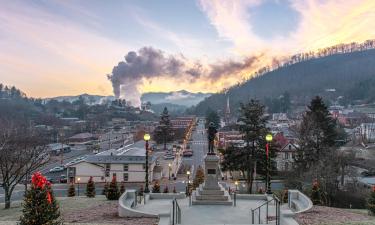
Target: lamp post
268,167
236,183
146,137
188,181
169,170
78,179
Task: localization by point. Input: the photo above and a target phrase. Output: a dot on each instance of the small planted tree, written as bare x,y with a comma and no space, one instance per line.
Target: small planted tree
113,192
122,188
40,206
316,196
166,189
156,188
90,188
105,189
199,177
72,190
371,202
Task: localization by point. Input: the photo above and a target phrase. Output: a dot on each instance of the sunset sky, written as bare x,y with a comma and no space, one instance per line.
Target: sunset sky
65,47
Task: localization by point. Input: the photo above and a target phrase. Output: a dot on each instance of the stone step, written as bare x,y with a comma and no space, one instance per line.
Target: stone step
212,197
211,202
211,192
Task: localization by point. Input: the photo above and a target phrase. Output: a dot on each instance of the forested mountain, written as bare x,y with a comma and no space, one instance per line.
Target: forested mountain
182,98
350,75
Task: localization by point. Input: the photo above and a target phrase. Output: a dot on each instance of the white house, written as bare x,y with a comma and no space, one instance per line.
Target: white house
127,164
285,157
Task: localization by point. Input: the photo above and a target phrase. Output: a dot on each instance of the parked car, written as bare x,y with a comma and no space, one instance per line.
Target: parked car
63,179
57,169
168,156
187,153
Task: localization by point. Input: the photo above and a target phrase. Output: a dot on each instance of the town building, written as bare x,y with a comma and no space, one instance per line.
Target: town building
57,148
127,164
81,138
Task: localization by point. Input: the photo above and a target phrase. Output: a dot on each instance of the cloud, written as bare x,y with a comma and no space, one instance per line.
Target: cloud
322,24
148,64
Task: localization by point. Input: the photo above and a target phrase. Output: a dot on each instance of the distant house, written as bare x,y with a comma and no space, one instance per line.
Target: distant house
81,138
285,156
127,164
58,148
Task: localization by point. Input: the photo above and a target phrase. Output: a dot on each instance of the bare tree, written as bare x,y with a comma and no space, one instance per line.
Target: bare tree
22,151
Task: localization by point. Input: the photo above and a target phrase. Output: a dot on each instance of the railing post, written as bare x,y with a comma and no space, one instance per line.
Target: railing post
252,216
267,213
259,214
173,212
235,198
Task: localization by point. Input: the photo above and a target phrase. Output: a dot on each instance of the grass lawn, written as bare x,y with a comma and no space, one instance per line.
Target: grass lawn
79,211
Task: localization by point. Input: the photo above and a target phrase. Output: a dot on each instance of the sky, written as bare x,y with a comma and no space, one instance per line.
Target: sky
127,47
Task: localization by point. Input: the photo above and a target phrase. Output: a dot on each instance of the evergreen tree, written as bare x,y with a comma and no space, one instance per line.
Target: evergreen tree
40,206
166,189
113,192
156,188
105,189
122,188
90,188
199,177
71,190
212,116
371,202
252,125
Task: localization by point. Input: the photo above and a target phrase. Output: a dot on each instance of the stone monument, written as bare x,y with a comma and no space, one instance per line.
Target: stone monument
211,192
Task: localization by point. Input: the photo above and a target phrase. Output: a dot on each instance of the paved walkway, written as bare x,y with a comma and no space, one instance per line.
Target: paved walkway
207,214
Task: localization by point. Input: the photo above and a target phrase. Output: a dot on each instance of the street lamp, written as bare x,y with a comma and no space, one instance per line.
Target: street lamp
146,137
169,170
268,167
236,183
78,179
188,181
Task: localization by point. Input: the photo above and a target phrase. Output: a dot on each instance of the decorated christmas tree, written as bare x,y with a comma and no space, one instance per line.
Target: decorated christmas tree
71,190
90,188
40,206
166,189
199,177
156,188
113,192
371,202
316,196
105,189
122,188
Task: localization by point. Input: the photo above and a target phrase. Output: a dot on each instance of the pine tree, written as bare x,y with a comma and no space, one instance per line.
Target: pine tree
105,189
122,188
40,206
166,189
113,192
90,188
199,177
371,202
156,188
71,190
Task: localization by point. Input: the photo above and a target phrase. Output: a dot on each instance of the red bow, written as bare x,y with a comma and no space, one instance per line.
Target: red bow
40,181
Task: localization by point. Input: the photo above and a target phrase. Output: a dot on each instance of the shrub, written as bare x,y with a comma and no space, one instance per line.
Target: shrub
90,188
113,192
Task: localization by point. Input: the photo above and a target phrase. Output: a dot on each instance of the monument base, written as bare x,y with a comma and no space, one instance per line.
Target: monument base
211,192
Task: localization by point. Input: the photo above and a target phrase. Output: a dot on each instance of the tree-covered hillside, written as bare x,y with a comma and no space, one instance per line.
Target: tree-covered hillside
350,74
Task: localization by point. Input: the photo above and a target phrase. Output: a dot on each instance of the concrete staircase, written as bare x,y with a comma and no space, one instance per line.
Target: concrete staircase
211,196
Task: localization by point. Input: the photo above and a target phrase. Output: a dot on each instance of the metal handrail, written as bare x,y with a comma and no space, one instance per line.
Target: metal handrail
277,210
176,212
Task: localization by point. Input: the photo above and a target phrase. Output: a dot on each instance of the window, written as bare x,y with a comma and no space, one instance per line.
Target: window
107,173
107,167
286,155
126,167
126,176
114,174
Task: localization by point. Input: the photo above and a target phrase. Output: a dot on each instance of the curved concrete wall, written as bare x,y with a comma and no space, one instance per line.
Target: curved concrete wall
299,202
126,204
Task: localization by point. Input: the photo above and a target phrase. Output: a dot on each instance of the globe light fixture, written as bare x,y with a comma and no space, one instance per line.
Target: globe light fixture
146,137
269,137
